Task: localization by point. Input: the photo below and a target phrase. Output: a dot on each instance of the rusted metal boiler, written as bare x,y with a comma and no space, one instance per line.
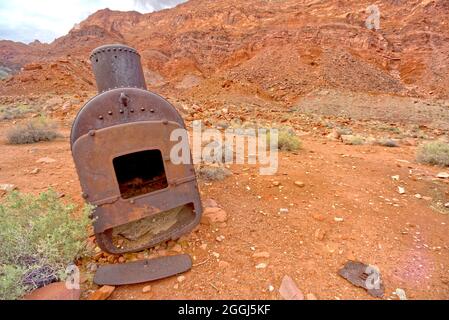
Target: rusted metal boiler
121,148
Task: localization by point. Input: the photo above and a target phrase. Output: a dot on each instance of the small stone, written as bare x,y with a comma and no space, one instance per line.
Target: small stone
103,293
46,160
418,196
311,297
319,217
276,183
146,289
320,234
261,266
213,216
223,264
446,205
216,255
283,211
337,219
54,291
261,255
428,198
35,171
271,289
443,175
181,279
300,184
401,190
401,294
220,238
395,178
7,187
289,290
177,248
210,203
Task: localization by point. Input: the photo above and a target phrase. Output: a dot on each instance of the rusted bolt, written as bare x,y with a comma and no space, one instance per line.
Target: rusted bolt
165,122
92,133
85,195
124,99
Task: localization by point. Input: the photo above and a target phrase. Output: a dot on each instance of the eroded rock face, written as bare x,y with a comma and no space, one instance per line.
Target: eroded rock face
281,50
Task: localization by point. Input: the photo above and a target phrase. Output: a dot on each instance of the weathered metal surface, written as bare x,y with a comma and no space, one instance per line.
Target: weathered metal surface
121,148
364,276
142,271
117,66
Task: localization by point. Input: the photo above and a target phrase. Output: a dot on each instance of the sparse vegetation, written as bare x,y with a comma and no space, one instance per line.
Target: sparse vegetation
11,112
212,173
435,153
353,140
40,236
287,139
390,143
32,132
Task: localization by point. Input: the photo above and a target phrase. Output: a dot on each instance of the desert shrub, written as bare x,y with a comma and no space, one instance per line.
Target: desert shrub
390,143
11,112
353,140
287,139
436,153
32,132
212,173
40,237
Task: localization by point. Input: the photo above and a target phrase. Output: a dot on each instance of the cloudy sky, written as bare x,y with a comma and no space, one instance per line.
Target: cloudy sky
45,20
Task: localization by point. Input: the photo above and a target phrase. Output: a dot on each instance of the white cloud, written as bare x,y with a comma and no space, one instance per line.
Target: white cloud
27,20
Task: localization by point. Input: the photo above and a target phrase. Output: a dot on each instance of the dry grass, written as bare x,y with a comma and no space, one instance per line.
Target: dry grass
390,143
435,153
33,132
212,173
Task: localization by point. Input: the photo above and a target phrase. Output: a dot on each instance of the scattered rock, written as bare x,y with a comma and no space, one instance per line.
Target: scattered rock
320,234
395,178
427,198
271,288
364,276
103,293
401,294
418,196
319,217
214,215
54,291
46,160
35,171
7,187
220,238
334,135
446,205
261,255
337,219
181,279
210,203
283,211
146,289
289,290
401,190
177,248
276,183
300,184
443,175
223,264
261,266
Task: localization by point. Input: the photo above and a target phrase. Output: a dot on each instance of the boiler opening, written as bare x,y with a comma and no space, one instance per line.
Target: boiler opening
140,173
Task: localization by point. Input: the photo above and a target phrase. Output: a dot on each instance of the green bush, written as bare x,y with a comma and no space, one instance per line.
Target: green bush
436,153
40,237
287,139
34,131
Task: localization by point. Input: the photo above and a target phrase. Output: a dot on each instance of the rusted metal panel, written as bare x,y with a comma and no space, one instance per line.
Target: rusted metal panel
142,271
121,148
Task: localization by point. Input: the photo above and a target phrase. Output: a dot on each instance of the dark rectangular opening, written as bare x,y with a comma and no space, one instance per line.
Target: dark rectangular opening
140,173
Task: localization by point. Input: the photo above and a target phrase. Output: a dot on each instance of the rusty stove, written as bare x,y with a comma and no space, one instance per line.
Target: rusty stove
121,147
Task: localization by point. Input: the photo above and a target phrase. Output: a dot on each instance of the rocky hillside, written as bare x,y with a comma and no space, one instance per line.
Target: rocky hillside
278,50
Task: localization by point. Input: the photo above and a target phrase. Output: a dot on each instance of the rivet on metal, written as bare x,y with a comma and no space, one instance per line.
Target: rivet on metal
152,110
85,195
100,117
143,109
92,133
110,113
